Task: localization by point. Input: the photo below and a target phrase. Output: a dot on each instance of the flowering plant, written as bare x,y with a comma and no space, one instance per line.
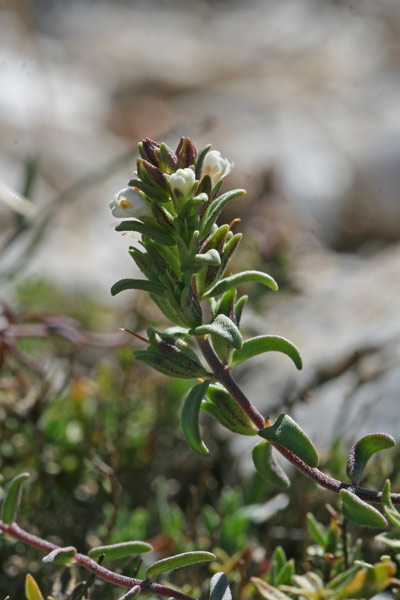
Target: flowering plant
173,203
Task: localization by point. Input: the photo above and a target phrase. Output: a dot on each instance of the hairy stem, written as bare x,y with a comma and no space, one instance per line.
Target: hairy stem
14,531
224,376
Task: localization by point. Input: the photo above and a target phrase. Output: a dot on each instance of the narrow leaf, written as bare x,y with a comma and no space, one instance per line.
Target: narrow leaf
234,280
190,418
390,511
340,581
287,433
317,531
267,591
179,560
389,538
13,498
219,587
360,512
368,582
267,343
215,209
132,593
285,575
362,451
137,284
200,159
153,232
121,550
223,328
32,590
60,556
266,465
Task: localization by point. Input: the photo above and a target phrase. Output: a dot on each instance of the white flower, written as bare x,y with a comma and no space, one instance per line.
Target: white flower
182,181
127,203
216,167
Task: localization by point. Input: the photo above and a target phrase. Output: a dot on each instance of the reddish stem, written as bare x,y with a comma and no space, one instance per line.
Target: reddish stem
13,530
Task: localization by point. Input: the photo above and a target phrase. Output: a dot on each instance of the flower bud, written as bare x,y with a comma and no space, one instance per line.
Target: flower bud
147,148
150,173
127,203
181,182
166,159
186,153
216,167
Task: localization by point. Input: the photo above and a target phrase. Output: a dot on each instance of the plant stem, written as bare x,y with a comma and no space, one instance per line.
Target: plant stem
147,586
224,376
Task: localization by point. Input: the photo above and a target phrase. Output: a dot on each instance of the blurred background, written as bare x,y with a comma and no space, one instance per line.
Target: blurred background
303,96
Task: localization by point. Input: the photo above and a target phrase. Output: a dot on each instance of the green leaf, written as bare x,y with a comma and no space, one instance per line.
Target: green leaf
390,511
225,409
179,560
287,433
219,587
340,581
223,328
211,257
362,451
132,593
215,208
266,465
200,159
61,556
121,550
239,306
285,575
267,343
137,284
360,512
317,531
152,231
389,538
268,591
32,590
234,280
13,498
278,561
190,418
175,365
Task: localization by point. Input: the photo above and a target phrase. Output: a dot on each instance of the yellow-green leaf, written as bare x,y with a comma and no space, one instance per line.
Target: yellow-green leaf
32,590
13,498
61,556
267,343
120,550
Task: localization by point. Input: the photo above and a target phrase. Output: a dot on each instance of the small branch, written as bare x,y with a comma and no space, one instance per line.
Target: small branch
224,376
147,586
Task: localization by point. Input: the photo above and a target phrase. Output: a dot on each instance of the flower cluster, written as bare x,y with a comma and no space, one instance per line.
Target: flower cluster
174,175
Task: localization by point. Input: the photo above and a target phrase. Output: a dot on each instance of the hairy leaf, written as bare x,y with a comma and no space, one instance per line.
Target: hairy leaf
215,208
389,538
267,343
360,512
267,466
13,498
121,550
211,257
61,556
287,433
223,328
267,591
153,232
225,409
132,593
179,560
137,284
219,587
362,451
190,418
234,280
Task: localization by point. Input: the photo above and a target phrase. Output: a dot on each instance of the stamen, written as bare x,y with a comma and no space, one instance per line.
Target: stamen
237,220
136,335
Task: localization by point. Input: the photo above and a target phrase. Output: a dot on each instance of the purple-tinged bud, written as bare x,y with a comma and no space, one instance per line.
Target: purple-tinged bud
186,153
147,149
166,159
150,173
